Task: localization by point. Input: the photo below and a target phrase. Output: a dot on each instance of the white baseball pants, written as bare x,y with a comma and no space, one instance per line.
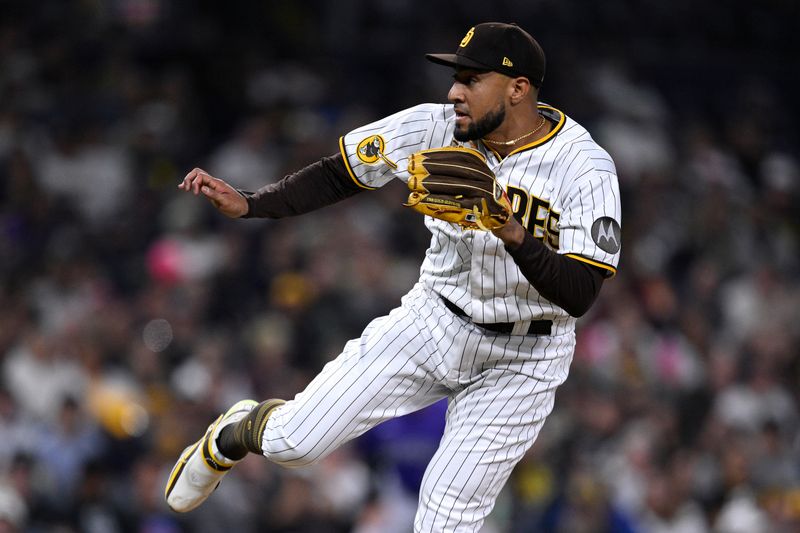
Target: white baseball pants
500,389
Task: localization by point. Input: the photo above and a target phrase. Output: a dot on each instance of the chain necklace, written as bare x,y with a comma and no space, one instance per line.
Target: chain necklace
514,141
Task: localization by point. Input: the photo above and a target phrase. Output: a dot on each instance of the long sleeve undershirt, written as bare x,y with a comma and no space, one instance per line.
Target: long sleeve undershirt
322,183
571,284
568,283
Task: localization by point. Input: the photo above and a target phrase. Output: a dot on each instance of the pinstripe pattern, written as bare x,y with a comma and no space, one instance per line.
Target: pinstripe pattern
500,387
421,352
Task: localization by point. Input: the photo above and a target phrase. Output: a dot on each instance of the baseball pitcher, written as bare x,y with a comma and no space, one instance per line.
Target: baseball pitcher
523,208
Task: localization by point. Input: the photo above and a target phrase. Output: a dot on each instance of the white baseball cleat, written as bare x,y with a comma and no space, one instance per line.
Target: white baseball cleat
201,466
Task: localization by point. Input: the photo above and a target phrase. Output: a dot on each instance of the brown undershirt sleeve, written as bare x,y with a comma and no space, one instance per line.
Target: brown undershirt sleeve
568,283
317,185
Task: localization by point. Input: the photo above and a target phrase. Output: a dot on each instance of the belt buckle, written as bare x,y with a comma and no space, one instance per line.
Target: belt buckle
521,327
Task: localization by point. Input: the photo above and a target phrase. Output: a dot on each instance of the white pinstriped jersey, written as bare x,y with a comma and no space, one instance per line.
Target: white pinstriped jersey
563,188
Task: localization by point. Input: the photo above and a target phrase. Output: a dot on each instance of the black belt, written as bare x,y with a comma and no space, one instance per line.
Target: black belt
537,327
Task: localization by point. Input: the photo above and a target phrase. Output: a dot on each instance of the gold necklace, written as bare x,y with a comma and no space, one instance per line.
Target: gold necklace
514,141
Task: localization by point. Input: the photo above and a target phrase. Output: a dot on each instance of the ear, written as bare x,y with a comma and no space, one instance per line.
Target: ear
519,89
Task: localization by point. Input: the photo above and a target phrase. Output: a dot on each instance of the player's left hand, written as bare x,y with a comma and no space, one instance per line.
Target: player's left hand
512,233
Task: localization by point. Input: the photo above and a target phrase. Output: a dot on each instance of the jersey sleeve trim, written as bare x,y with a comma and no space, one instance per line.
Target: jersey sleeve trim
610,271
349,169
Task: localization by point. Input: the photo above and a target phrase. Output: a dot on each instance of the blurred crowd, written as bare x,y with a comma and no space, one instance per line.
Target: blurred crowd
131,314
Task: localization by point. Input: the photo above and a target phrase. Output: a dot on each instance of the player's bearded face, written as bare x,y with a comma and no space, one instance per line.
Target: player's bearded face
483,126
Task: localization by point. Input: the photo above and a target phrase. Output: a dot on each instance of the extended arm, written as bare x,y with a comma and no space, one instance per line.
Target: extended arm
317,185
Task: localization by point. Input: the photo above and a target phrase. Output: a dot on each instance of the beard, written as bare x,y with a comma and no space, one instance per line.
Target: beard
482,127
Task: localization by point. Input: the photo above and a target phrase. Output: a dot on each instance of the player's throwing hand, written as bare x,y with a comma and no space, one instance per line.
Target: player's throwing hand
221,195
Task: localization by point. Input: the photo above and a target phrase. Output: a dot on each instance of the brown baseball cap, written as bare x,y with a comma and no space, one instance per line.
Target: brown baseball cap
500,47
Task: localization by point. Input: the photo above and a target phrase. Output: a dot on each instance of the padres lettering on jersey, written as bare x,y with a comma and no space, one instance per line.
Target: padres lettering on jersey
563,189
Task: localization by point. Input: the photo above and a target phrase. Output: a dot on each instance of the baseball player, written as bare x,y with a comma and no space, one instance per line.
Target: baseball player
491,322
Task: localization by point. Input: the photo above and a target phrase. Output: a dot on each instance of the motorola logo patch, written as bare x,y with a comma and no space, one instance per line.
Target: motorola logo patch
607,234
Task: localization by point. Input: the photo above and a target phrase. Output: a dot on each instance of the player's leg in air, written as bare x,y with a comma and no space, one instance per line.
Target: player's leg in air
391,370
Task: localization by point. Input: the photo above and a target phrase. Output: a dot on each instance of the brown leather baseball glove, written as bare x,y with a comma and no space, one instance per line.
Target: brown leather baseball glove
455,184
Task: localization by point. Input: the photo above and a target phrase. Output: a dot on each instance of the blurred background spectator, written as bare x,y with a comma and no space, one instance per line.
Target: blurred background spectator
130,315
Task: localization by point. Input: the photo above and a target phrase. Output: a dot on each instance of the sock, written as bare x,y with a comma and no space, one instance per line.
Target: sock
229,446
235,440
